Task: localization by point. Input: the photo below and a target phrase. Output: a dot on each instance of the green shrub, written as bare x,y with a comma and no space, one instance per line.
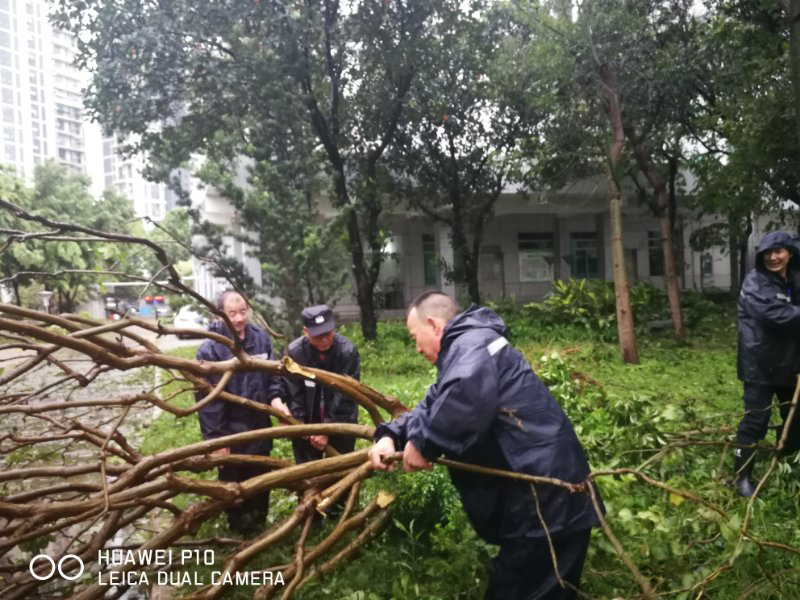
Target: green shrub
590,305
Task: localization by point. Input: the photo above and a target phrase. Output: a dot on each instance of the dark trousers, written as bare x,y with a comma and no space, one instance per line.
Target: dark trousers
758,408
305,452
523,569
250,515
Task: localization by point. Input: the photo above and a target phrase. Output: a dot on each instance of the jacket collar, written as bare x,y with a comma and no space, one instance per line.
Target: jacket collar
472,318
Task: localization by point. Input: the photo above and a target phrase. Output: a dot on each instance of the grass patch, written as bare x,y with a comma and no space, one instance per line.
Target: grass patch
624,415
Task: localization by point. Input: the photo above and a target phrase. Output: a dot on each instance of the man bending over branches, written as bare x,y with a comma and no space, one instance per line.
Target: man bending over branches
488,408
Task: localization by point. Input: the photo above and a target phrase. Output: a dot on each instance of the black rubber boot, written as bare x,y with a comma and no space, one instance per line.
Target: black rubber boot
743,461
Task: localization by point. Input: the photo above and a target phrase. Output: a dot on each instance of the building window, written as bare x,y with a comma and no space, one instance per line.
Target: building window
655,255
536,256
706,265
583,249
155,210
429,259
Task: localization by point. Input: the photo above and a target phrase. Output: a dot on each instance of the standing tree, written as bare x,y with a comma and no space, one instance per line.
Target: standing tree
459,147
584,134
745,164
219,68
655,48
649,46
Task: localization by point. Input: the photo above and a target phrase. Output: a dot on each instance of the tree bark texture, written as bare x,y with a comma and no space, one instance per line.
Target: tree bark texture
665,227
625,328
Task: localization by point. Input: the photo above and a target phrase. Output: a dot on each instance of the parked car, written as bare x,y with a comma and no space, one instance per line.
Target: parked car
190,318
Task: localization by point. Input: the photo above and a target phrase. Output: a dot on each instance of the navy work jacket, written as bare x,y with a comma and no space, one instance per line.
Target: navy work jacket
769,319
312,403
219,417
488,408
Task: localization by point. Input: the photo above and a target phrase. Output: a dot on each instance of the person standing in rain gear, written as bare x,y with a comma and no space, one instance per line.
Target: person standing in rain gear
487,407
220,418
768,350
321,347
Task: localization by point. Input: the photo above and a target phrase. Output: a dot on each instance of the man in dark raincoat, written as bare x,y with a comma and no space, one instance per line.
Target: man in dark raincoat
488,408
220,418
769,349
321,347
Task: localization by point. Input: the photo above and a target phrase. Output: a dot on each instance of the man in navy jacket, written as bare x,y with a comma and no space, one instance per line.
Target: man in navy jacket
220,418
488,408
322,348
769,349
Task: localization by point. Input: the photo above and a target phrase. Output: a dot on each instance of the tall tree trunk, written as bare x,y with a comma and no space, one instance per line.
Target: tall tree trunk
733,259
792,12
15,285
670,269
743,252
365,292
471,276
627,333
675,226
473,284
461,254
465,258
662,210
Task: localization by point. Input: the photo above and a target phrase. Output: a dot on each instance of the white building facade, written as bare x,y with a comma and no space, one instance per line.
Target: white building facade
40,91
124,173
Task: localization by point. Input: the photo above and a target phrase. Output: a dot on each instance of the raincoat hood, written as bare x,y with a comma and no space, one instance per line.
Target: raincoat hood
473,317
777,239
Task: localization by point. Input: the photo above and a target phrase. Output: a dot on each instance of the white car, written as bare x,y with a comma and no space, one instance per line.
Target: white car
189,318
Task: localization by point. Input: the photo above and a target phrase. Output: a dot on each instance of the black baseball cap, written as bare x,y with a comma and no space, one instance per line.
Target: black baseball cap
318,319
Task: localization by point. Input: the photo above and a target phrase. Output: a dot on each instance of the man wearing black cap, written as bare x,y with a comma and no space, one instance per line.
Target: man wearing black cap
322,348
769,349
